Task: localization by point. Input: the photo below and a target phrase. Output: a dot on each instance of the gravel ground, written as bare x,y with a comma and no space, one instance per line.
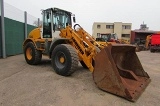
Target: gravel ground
25,85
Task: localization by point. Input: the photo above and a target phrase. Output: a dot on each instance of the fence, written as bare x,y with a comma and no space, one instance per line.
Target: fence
16,27
0,37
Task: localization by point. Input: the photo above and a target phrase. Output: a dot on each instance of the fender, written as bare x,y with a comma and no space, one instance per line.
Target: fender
36,43
29,40
56,42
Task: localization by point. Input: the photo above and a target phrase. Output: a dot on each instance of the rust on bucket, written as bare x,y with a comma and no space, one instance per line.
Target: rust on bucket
118,70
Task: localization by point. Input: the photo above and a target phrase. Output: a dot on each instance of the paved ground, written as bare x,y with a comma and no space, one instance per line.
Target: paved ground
25,85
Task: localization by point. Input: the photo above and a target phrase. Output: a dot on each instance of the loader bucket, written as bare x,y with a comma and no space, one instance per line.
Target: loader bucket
118,71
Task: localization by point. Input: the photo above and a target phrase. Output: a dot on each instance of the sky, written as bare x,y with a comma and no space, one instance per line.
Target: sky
89,11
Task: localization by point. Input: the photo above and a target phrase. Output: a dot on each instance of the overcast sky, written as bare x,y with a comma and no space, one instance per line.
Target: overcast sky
89,11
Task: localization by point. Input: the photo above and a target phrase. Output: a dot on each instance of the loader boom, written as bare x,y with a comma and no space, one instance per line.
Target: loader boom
85,49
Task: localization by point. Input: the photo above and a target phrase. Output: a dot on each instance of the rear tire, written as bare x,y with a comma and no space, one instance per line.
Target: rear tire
31,54
64,59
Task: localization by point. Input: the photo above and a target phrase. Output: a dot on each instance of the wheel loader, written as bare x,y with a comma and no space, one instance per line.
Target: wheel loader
115,68
105,39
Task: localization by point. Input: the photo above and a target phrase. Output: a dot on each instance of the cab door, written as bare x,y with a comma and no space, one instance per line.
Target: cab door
47,24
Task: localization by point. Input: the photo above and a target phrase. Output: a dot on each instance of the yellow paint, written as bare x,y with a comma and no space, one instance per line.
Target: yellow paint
29,53
35,33
62,60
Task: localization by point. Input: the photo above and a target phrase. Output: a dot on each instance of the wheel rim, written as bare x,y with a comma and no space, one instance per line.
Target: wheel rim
60,60
29,53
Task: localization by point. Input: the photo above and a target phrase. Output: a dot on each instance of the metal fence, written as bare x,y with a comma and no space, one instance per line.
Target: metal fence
15,26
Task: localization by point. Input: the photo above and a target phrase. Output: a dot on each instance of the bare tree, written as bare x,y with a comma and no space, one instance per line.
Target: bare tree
36,23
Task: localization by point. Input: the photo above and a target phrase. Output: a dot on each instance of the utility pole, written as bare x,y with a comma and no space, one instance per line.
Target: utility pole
25,25
3,30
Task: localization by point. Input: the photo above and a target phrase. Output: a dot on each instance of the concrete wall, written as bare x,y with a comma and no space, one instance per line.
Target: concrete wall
118,29
101,30
126,31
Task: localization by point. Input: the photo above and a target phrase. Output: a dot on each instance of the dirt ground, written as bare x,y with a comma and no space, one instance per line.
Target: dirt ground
25,85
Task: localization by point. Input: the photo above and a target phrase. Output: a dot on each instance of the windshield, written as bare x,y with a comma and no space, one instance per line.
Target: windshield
105,37
113,36
61,19
108,37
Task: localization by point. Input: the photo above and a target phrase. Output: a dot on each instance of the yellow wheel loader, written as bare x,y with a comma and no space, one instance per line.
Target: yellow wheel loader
115,68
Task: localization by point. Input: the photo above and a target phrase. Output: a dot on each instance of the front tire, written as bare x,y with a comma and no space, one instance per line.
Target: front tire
31,54
64,59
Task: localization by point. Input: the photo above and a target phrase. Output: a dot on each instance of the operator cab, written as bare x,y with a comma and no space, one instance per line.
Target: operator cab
55,19
112,37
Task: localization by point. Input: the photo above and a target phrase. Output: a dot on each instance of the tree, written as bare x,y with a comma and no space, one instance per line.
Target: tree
36,23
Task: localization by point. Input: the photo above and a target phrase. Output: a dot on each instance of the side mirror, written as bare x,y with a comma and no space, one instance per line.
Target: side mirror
74,19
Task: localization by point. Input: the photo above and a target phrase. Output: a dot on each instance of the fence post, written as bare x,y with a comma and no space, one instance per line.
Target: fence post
38,22
3,30
25,25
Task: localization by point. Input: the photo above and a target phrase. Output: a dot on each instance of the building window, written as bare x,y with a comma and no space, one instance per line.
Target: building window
98,26
126,27
109,26
98,35
126,35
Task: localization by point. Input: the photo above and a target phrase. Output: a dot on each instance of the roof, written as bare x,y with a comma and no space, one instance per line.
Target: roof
144,31
57,9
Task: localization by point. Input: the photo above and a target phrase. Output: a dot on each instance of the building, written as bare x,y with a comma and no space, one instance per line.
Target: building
123,30
141,33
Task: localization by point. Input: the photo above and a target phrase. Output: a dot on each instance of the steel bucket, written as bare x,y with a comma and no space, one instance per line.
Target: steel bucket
118,70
